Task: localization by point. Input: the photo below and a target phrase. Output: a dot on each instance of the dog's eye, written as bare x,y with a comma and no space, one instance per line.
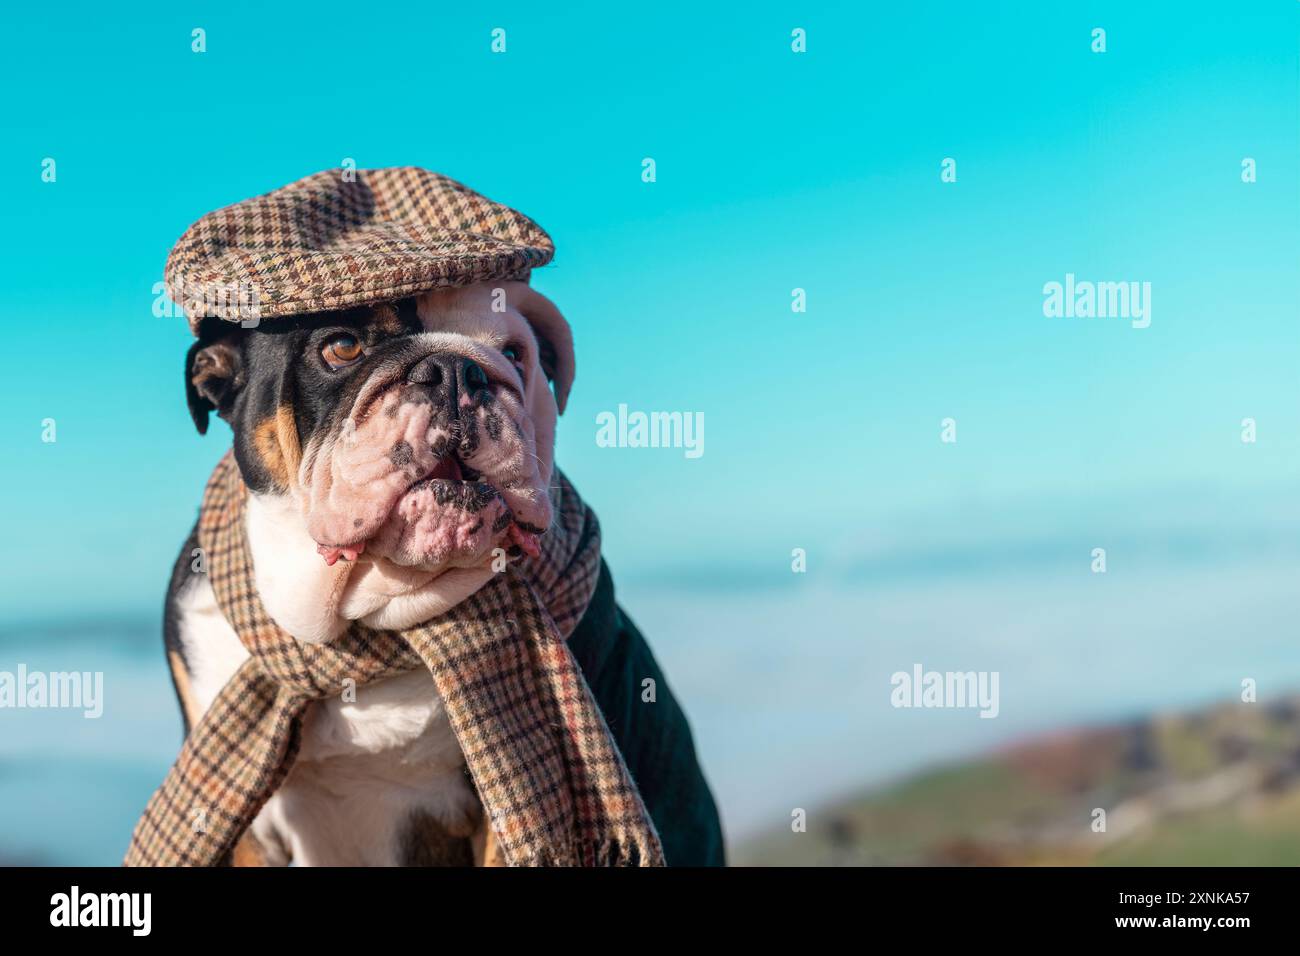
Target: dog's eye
342,350
514,354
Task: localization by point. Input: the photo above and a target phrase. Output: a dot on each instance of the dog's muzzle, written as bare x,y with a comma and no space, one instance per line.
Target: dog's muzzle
435,467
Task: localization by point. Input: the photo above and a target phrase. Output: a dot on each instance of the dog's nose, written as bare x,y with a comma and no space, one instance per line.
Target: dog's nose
474,376
454,373
432,370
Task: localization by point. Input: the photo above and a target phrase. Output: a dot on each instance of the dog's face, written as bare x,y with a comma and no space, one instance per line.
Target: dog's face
419,432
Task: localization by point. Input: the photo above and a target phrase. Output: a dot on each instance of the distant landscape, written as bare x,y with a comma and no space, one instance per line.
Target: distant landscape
790,709
1218,786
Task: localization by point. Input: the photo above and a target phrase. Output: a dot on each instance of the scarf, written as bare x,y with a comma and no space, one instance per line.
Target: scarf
551,778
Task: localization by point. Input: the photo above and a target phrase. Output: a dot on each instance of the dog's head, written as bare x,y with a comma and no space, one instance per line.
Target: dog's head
419,432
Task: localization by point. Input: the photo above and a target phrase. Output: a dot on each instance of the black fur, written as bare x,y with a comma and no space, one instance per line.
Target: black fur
279,365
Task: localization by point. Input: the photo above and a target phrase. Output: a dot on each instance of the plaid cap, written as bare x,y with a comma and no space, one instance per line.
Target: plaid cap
329,242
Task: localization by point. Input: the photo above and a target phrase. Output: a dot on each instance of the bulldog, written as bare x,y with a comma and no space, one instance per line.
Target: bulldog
392,453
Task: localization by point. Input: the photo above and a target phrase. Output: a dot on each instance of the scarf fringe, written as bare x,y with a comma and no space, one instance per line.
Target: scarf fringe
630,852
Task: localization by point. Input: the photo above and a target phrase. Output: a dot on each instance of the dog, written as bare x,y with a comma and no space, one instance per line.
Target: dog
390,451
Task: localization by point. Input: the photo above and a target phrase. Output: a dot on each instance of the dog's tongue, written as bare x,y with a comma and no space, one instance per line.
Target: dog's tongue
448,467
332,554
526,540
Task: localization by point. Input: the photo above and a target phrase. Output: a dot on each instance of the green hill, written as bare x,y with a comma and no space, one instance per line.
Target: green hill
1220,786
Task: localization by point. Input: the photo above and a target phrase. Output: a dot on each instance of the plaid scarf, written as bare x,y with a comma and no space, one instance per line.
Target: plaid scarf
551,778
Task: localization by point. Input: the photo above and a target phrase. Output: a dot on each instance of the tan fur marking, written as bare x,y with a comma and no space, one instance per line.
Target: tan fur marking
181,676
248,852
487,851
286,431
276,441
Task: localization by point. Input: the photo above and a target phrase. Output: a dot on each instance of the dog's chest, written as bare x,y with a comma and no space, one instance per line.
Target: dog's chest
367,768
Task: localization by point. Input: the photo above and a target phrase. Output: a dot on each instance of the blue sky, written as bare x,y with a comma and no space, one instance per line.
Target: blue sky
775,171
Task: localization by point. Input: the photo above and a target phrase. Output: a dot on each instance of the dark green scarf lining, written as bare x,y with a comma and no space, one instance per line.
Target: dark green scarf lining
655,738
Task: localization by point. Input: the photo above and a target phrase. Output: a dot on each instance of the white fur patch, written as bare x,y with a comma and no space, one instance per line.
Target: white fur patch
364,769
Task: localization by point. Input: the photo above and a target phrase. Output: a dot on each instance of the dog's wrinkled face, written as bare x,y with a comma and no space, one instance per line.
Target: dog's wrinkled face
420,432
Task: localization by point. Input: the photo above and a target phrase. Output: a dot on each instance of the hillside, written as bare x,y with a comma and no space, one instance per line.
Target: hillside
1218,786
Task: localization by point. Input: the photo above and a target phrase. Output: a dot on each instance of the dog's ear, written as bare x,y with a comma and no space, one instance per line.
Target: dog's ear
212,376
554,341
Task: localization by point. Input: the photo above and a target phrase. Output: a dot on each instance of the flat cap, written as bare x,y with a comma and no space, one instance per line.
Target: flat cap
340,238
